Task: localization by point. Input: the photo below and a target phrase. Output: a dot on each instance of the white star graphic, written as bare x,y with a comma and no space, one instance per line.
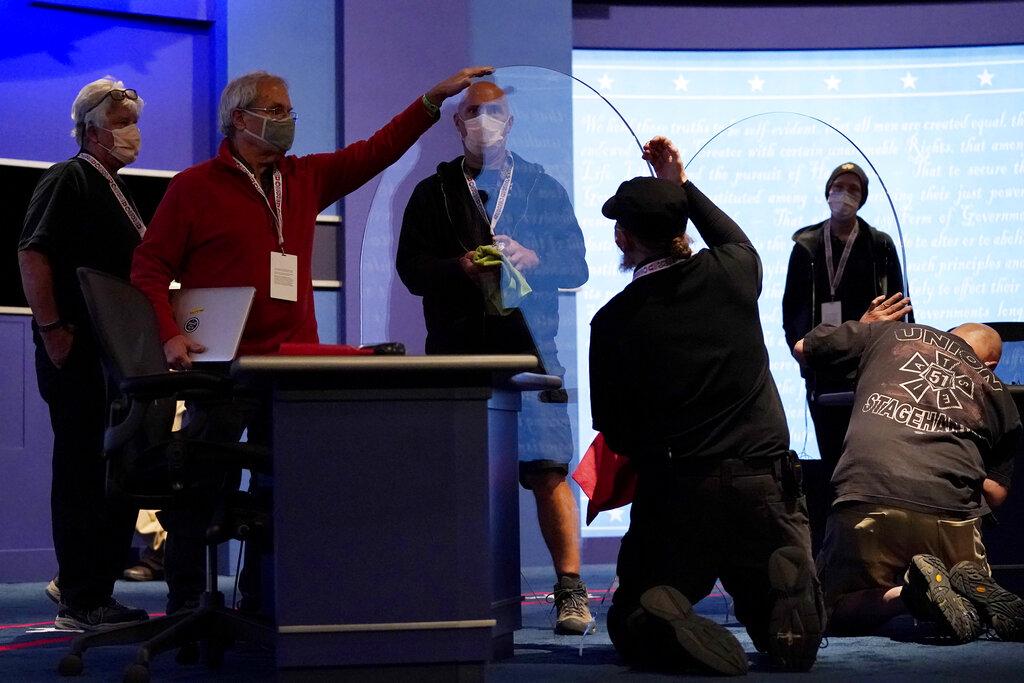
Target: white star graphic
605,82
832,83
909,81
681,83
756,84
615,515
985,78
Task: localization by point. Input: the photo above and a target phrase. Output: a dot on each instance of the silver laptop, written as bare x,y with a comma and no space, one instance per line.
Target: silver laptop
213,316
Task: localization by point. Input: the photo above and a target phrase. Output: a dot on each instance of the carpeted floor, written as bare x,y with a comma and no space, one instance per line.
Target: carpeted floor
30,648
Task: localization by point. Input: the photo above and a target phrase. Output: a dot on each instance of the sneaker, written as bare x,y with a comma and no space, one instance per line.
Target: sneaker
573,607
102,618
929,595
53,590
797,618
701,640
998,607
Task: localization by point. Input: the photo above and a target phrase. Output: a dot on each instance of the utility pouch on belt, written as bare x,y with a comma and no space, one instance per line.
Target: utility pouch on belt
792,475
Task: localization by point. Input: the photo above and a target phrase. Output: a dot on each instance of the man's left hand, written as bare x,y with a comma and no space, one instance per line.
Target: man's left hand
519,256
456,83
881,309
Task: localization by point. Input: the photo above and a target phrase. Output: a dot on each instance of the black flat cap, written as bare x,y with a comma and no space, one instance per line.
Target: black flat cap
649,207
850,167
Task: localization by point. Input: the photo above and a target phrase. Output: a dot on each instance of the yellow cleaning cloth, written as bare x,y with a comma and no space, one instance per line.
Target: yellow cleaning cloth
502,296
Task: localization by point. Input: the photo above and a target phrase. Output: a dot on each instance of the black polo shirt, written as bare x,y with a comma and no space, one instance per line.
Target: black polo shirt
75,220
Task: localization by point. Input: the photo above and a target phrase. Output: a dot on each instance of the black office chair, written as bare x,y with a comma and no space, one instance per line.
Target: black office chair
152,467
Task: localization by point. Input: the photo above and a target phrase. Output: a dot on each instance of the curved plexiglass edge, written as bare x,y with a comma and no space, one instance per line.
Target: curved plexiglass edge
768,171
553,208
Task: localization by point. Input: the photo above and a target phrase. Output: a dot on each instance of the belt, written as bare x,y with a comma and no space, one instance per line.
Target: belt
728,468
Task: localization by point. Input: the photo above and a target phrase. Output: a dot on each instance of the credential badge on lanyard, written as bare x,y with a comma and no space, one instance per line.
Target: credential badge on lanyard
126,206
835,275
499,206
284,268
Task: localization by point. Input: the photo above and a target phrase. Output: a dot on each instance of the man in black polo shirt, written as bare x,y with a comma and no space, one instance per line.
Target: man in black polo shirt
930,448
82,214
680,385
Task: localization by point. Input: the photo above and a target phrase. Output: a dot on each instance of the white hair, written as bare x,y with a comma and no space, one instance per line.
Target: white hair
239,94
84,110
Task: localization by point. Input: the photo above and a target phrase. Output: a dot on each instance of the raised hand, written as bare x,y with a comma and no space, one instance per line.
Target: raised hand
456,83
664,157
881,309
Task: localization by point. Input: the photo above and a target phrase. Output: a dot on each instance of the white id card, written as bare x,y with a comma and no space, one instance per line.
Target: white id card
831,313
284,276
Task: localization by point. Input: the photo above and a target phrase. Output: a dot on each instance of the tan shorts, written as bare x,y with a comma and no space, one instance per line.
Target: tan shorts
870,546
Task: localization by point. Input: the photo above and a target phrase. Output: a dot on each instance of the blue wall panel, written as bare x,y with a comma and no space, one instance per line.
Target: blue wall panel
47,53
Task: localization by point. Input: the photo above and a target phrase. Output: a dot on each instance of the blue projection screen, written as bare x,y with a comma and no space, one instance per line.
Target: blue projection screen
942,128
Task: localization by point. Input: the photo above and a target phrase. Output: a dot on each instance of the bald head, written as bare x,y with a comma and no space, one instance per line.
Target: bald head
985,341
483,96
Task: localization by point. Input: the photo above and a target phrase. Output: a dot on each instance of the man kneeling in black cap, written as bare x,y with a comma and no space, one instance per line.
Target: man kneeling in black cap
680,385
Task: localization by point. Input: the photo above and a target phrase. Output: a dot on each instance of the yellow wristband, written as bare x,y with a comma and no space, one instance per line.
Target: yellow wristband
431,107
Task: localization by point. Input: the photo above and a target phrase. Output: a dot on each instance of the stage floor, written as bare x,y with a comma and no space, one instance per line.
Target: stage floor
30,648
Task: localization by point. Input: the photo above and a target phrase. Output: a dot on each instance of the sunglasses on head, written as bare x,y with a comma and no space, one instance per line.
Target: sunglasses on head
116,95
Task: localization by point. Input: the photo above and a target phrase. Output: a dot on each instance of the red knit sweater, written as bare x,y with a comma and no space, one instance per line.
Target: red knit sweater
213,229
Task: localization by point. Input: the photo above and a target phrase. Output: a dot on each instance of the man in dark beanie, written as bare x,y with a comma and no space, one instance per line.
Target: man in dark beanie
680,385
840,269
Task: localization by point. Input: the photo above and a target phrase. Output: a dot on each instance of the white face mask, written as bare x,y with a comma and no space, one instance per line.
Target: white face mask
843,204
127,143
485,135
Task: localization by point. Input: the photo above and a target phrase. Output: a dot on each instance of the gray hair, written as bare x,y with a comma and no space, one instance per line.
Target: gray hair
87,99
239,94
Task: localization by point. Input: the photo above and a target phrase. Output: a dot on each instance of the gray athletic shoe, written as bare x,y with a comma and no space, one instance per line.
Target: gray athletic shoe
699,640
102,618
573,607
998,607
929,596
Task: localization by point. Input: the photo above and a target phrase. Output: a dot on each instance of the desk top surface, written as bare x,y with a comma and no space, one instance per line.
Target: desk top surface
250,365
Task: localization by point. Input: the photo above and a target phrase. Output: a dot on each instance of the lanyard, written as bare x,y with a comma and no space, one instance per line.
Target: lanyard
835,275
278,194
129,210
499,206
655,266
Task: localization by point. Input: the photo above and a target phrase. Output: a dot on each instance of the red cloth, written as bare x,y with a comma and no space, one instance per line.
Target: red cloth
607,478
302,349
214,229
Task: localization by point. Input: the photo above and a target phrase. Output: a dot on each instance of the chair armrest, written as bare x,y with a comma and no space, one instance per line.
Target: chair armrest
171,383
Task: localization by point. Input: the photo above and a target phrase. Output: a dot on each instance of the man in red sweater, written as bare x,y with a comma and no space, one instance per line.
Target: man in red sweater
246,218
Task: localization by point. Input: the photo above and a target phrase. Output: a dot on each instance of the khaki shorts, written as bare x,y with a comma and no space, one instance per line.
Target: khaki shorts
870,546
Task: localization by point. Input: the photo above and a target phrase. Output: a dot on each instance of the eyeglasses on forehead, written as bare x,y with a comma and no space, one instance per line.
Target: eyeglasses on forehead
117,95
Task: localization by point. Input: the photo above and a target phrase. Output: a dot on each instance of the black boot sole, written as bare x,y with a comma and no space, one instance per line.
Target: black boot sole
706,642
929,576
796,624
997,606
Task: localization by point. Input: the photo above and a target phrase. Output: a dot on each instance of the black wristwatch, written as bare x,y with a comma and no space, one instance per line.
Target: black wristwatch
49,327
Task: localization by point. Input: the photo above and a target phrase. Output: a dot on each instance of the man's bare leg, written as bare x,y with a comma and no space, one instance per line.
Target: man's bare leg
558,518
865,611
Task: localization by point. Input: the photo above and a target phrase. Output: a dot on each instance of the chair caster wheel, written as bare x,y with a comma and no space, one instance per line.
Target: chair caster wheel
136,673
70,665
188,654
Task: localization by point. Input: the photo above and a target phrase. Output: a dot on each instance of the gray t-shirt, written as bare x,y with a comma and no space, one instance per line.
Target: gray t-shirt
930,421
